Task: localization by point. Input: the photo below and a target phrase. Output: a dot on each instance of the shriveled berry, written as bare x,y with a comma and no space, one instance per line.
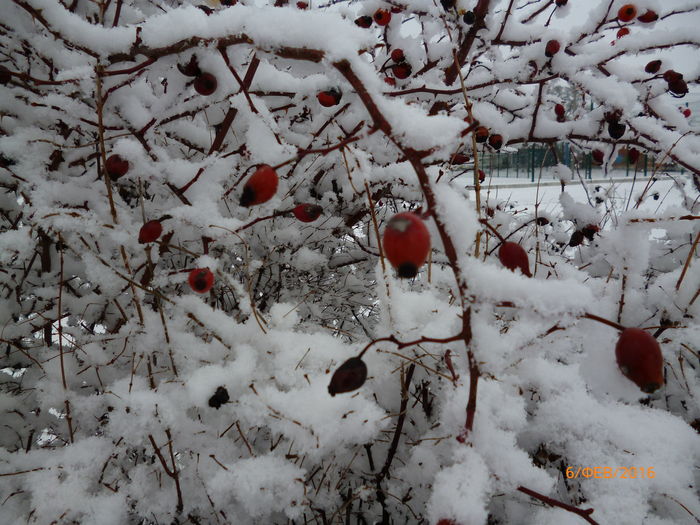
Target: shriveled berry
589,231
616,130
5,75
653,66
219,398
648,17
576,238
350,376
191,69
364,21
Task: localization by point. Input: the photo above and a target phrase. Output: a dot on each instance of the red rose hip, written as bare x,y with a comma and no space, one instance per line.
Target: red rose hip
150,232
116,166
552,48
382,17
205,84
201,280
328,98
627,13
639,357
513,256
307,212
496,141
648,17
397,55
260,187
406,243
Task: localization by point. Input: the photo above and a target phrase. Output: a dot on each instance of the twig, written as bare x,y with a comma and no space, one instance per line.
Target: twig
584,513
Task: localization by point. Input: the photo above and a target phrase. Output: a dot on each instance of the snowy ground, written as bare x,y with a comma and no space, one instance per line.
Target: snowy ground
659,194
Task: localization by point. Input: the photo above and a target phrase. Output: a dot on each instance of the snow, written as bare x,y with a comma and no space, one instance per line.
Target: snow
111,361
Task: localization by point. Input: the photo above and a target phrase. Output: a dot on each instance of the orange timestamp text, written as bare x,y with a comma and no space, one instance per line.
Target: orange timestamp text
610,472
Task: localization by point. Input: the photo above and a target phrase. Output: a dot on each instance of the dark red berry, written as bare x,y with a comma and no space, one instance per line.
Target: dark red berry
513,256
382,17
116,166
390,80
576,238
633,155
639,357
482,176
302,5
207,10
460,158
364,21
397,55
350,376
205,84
670,75
552,48
648,17
561,3
616,130
402,70
622,32
559,110
678,88
653,66
150,232
496,141
5,75
201,280
307,212
598,156
589,231
191,69
481,133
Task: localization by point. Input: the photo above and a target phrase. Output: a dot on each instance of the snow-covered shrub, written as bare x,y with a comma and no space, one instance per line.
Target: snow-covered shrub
491,397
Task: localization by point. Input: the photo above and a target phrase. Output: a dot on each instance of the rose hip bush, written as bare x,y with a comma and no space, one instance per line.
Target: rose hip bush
201,323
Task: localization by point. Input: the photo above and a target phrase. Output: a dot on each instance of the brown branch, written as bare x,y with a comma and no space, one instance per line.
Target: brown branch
584,513
174,473
687,261
480,11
